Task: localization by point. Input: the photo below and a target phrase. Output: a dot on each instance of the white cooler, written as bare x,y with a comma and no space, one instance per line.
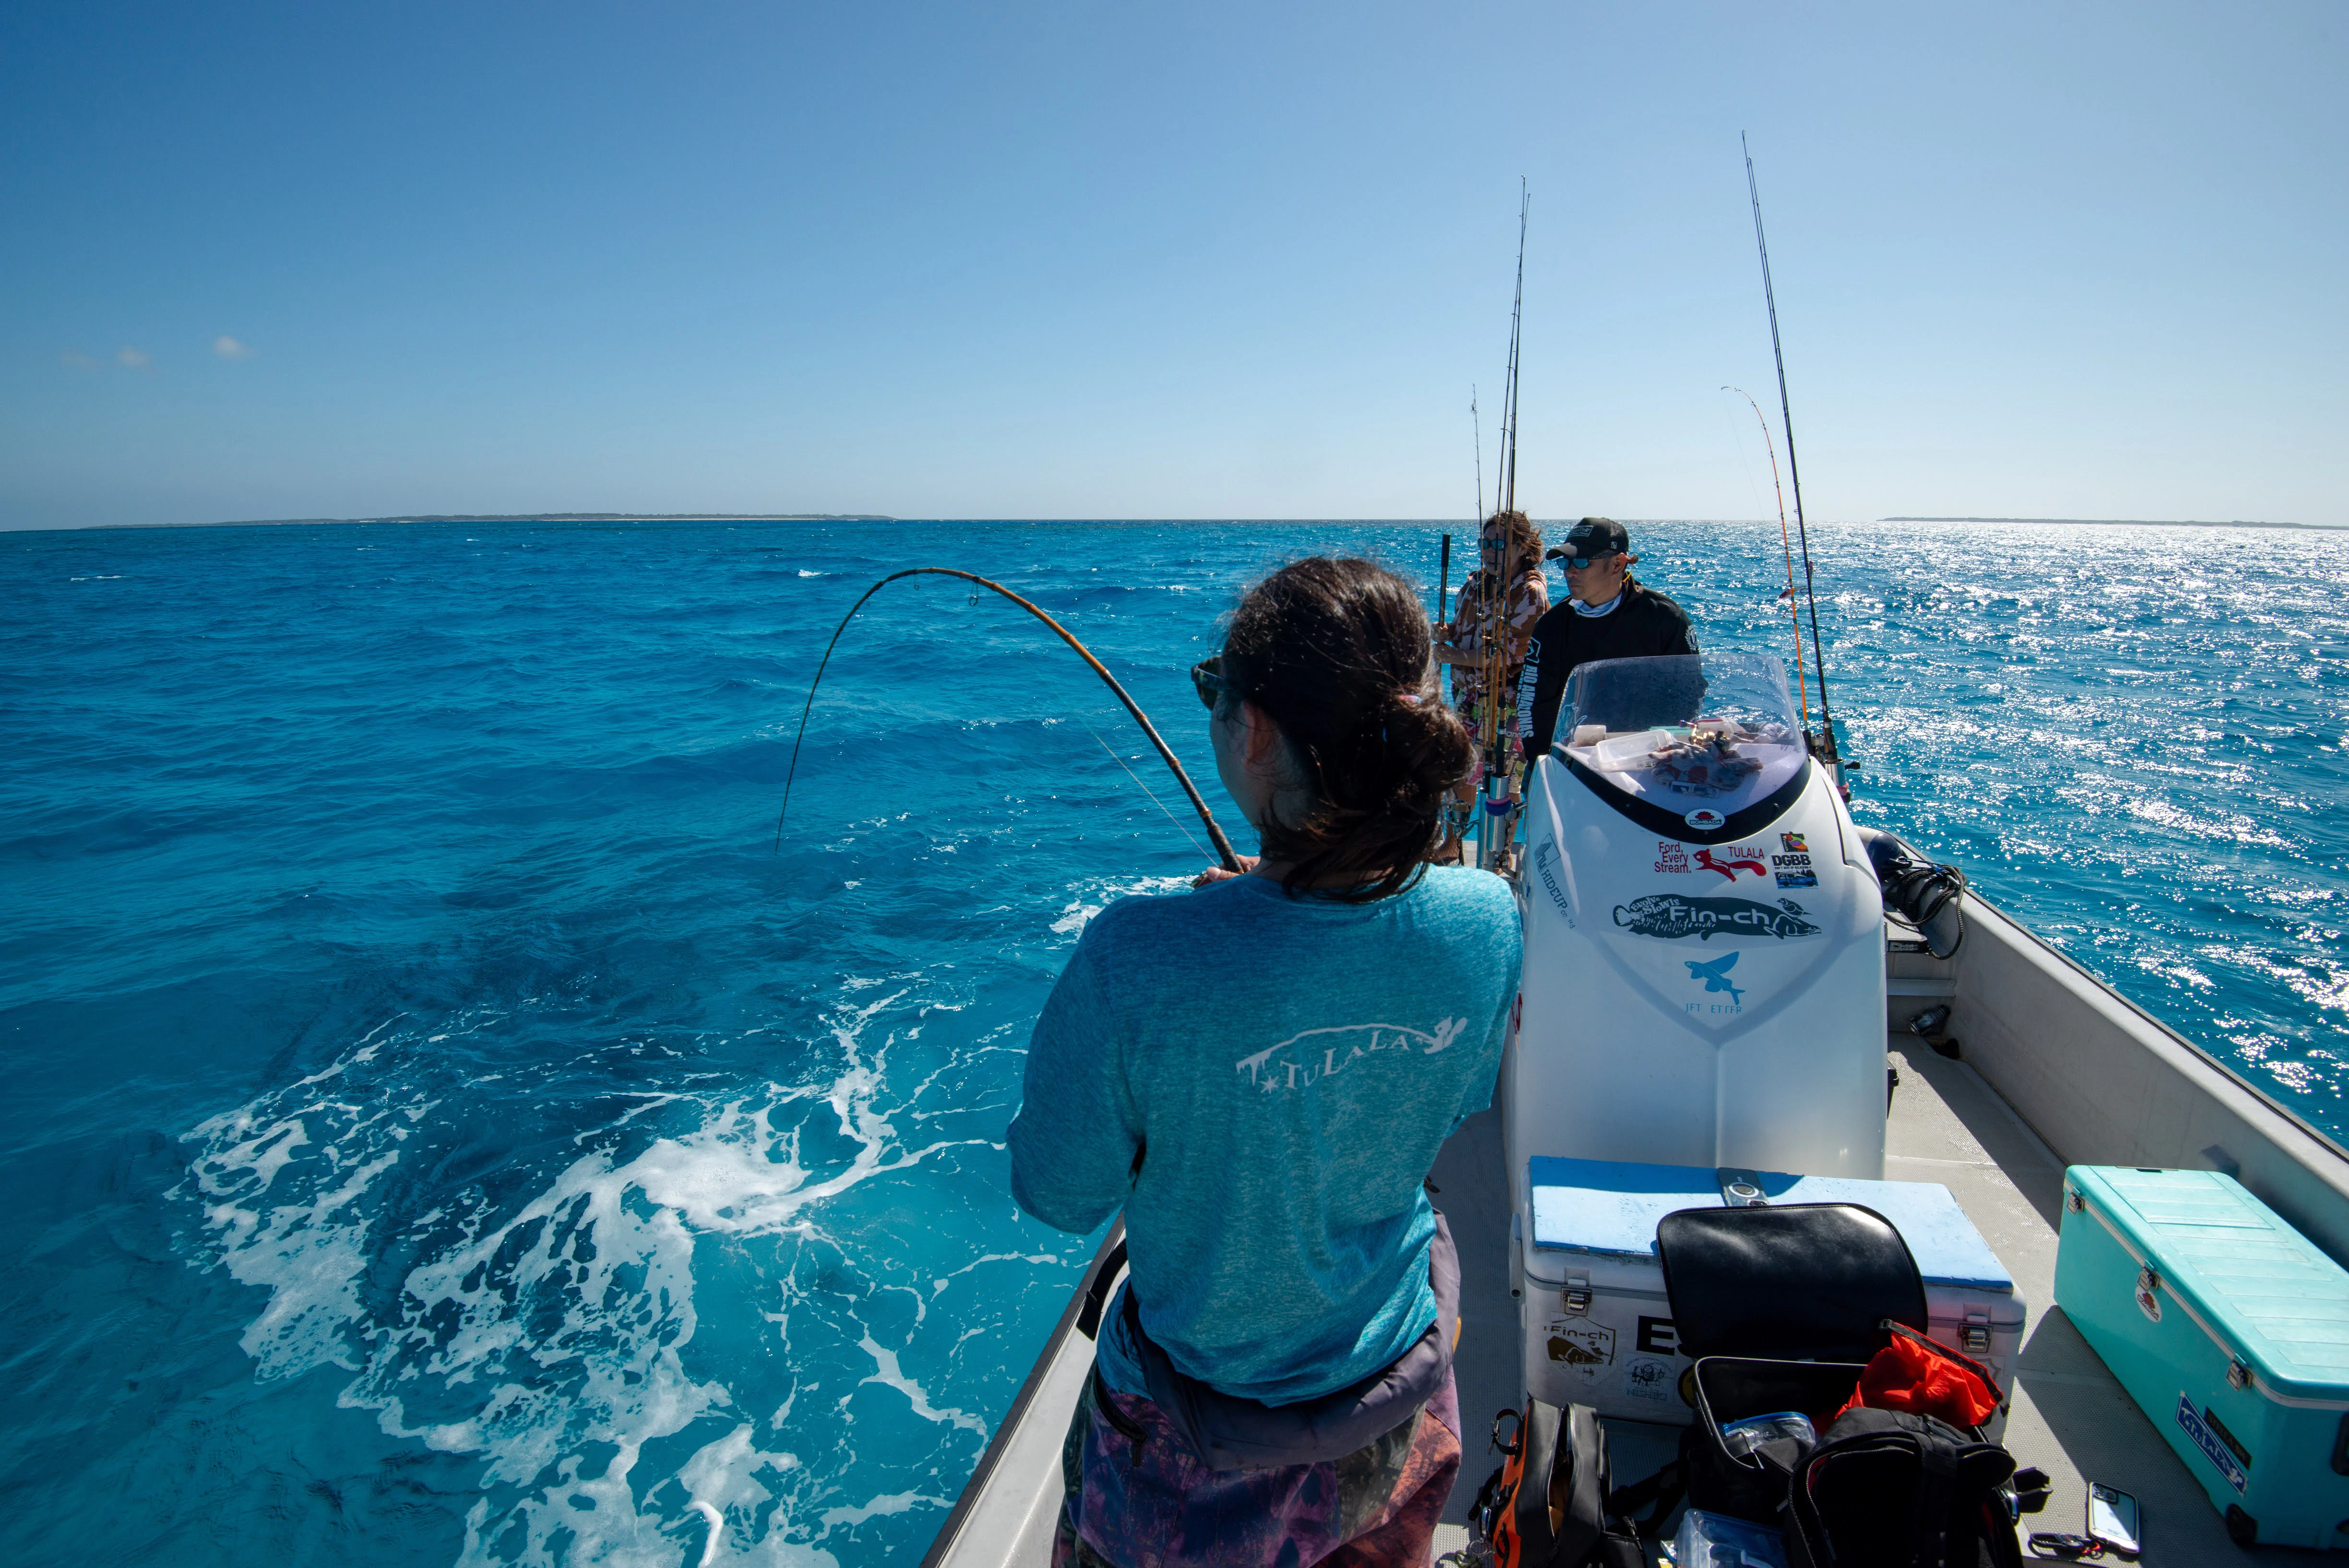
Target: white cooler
1593,1319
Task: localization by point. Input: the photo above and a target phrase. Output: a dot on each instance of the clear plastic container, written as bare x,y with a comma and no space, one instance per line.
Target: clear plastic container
1628,754
1741,1437
1717,1540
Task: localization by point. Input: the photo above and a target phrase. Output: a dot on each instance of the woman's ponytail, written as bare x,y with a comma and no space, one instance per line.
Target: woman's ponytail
1337,653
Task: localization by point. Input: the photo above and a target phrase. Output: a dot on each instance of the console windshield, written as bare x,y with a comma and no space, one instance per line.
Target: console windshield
1713,730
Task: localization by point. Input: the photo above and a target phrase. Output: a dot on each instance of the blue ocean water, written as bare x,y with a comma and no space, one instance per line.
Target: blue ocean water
440,1130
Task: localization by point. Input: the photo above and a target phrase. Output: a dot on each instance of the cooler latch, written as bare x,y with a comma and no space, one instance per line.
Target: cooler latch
2076,1202
1577,1293
1741,1188
1973,1334
2239,1373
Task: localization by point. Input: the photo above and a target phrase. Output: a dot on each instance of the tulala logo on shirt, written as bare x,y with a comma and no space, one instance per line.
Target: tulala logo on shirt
1672,917
1303,1060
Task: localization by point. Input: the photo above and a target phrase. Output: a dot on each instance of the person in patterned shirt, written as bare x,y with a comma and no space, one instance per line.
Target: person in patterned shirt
1510,547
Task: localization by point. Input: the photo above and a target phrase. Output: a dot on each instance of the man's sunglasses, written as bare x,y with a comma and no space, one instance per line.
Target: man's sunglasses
1207,679
1576,563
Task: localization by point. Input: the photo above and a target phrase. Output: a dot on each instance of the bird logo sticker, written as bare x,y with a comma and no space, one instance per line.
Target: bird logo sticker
1714,973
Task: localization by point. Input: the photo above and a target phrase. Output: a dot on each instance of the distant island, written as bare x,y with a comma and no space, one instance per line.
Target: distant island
529,517
2115,522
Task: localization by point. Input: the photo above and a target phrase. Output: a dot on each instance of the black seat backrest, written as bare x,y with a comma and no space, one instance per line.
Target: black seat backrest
1800,1281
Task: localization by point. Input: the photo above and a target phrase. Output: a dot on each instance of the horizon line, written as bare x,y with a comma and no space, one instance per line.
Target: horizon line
399,519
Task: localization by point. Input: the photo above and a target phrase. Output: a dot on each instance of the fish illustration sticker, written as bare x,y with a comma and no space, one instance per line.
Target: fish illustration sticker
1586,1344
1672,917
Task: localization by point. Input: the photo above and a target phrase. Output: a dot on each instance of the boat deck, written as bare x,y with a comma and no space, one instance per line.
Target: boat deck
2069,1417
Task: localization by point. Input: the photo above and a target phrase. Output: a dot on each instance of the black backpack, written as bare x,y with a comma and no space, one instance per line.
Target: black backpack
1781,1307
1886,1489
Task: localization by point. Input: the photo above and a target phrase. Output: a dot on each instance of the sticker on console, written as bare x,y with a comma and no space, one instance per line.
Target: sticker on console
1672,917
1647,1378
1730,862
1793,844
1544,860
1585,1344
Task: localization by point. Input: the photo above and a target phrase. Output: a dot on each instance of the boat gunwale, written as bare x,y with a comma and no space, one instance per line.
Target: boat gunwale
942,1545
2314,1133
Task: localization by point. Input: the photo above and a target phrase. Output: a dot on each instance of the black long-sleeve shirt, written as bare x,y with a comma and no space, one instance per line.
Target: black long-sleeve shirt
1643,623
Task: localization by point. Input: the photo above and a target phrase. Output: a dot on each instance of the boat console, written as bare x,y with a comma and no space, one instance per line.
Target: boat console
1704,977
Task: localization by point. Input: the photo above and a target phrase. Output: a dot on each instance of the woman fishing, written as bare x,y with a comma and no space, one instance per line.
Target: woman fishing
1507,587
1259,1074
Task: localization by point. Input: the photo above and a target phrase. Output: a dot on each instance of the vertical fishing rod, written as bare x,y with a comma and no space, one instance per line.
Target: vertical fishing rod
1492,830
1516,318
1794,469
1793,612
1476,428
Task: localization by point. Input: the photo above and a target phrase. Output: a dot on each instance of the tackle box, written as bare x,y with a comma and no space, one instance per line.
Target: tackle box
1594,1323
2229,1329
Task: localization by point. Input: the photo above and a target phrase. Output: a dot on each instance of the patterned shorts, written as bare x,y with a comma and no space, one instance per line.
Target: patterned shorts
1154,1505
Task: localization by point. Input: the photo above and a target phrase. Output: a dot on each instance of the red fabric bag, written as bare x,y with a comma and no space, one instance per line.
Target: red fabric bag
1925,1378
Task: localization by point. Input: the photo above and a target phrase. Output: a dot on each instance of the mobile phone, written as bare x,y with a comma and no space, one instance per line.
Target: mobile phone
2112,1519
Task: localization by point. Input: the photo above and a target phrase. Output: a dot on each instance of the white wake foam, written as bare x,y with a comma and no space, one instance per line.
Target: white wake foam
546,1338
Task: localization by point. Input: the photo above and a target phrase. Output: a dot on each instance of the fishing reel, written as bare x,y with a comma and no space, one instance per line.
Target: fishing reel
1921,892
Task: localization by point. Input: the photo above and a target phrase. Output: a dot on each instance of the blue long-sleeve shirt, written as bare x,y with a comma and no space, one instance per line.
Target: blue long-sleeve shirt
1262,1082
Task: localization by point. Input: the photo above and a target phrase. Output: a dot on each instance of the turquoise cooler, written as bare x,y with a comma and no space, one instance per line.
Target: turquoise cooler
2229,1329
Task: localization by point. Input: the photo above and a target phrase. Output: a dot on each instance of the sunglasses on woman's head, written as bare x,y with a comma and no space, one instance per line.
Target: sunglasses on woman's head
1208,680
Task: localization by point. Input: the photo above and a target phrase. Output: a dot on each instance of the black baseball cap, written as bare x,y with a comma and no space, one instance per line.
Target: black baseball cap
1592,537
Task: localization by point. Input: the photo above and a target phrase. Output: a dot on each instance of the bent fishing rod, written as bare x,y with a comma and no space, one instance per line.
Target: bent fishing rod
1794,469
1215,834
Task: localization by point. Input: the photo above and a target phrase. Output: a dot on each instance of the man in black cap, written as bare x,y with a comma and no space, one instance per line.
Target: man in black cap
1608,616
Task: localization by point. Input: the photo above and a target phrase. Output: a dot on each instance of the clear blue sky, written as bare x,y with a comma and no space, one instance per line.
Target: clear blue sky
2051,260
